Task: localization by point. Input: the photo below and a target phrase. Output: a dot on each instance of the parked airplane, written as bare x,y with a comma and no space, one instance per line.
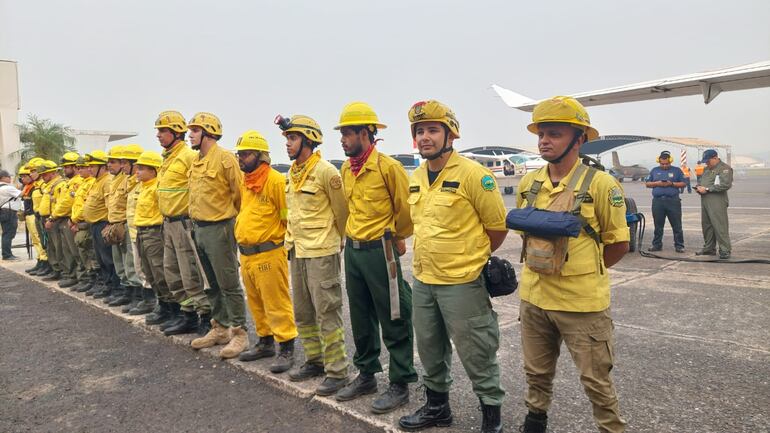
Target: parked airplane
634,172
709,84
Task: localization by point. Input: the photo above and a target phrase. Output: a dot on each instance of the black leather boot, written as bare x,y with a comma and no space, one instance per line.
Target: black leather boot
175,316
136,296
434,413
45,269
363,384
490,419
160,314
265,348
122,298
34,268
53,276
146,305
285,359
186,325
105,292
115,294
205,324
535,423
396,396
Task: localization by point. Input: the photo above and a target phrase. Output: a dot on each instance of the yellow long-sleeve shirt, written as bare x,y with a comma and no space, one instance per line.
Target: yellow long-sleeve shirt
262,217
377,199
317,213
173,180
147,207
51,191
116,201
65,201
215,186
37,195
133,196
80,199
95,208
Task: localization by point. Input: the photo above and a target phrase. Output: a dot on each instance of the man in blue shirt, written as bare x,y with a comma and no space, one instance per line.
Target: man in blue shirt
666,181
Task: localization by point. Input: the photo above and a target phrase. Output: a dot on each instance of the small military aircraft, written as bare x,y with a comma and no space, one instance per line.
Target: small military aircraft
633,172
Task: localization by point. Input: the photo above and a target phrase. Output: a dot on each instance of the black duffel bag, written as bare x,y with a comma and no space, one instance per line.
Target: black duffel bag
500,277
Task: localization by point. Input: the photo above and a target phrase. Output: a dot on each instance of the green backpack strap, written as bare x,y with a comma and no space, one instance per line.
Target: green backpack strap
580,198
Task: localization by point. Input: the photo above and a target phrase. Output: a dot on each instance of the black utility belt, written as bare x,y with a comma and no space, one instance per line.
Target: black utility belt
250,250
209,223
174,219
364,245
148,228
668,197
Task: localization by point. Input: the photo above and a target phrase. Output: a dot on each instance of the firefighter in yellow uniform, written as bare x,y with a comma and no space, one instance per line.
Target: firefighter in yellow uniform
459,220
571,303
142,297
95,214
72,269
260,229
377,188
181,268
36,195
149,226
28,179
81,230
52,190
122,253
215,198
316,222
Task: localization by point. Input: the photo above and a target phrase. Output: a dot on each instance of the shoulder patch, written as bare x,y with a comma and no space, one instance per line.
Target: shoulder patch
488,183
336,181
616,197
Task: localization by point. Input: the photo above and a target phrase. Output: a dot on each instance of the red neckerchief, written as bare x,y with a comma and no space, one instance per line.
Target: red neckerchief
357,162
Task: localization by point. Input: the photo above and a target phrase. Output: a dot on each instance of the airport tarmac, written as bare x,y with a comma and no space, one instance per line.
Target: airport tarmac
692,351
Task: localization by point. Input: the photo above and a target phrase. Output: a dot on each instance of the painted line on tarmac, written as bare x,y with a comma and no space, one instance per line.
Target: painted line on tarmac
696,338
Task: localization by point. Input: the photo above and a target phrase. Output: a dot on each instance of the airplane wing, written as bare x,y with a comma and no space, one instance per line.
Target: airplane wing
709,84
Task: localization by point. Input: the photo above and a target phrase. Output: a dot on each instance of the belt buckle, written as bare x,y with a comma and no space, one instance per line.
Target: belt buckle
356,245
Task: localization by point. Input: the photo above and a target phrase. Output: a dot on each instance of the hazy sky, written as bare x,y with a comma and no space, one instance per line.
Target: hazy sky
113,65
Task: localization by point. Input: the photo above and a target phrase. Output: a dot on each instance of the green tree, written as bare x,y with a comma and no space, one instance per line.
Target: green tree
45,139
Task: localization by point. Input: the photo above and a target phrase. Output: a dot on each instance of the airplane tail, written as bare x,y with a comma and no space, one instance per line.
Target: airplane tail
615,160
513,99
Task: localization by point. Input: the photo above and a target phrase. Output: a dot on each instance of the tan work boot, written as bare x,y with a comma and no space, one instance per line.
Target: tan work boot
239,341
217,335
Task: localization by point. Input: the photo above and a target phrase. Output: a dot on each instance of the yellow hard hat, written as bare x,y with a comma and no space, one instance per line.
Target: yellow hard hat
562,109
47,166
209,122
23,170
116,152
172,120
34,162
302,124
359,113
150,159
82,161
132,151
69,158
97,157
433,111
252,140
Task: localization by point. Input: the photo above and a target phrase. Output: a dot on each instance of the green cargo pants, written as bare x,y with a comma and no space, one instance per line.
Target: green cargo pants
464,314
149,241
317,293
366,281
123,257
86,250
219,257
70,260
588,336
716,228
181,270
54,247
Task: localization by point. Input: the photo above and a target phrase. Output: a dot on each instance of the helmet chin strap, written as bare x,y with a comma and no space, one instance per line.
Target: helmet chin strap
443,150
566,151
